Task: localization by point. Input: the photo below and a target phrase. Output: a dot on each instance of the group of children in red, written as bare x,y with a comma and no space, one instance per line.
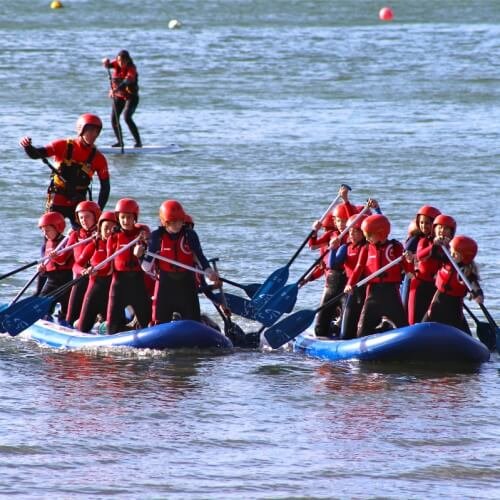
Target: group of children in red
131,276
434,290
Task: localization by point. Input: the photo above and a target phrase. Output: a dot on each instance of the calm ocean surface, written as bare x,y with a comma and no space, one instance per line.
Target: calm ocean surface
275,103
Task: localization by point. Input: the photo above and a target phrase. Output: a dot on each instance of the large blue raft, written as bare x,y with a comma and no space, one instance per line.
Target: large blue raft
425,343
184,334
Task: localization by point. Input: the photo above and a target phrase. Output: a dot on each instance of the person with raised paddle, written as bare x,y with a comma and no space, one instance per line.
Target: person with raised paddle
383,300
87,213
125,94
447,303
76,162
95,300
335,279
176,289
56,270
347,255
128,287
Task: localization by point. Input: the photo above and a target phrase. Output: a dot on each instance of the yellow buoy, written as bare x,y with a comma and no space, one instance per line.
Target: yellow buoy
56,4
174,24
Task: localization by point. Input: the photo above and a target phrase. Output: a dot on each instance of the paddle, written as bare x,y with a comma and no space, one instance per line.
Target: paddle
58,251
115,112
197,270
495,329
231,329
24,313
483,330
293,325
284,300
279,277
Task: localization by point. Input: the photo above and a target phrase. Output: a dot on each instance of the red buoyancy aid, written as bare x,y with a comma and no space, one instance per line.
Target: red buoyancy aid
176,249
126,261
94,253
428,263
448,281
62,262
374,257
352,256
74,237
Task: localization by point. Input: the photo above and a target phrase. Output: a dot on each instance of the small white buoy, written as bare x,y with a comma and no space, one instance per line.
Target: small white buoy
174,24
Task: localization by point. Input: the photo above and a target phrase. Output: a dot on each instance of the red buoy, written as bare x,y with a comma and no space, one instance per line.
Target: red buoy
386,14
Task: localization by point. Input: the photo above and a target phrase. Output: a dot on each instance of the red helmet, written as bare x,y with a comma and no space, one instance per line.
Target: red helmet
188,219
87,119
127,206
466,247
328,222
54,219
428,211
358,223
341,211
171,211
445,220
107,215
377,224
89,206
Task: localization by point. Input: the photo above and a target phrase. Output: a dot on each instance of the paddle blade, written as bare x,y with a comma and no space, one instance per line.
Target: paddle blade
252,288
24,313
288,328
487,335
280,303
238,305
273,283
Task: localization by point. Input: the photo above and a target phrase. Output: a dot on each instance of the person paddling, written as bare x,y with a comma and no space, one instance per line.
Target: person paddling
176,289
125,94
57,269
76,161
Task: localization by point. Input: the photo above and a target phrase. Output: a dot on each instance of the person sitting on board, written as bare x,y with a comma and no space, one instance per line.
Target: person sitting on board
347,255
95,301
87,214
57,269
335,279
176,289
125,94
382,300
76,162
447,303
421,285
128,286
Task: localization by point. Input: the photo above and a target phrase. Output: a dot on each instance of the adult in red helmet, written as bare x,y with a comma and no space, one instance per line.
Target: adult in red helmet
125,94
420,289
87,214
56,270
76,162
447,303
383,300
176,289
128,285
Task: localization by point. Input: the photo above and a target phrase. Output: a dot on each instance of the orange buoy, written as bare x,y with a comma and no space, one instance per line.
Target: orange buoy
386,14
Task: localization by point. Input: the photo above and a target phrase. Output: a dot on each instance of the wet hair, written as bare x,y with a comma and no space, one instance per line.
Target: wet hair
125,56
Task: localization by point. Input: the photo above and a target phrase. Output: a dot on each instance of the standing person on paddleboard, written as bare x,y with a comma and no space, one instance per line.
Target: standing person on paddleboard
76,162
125,94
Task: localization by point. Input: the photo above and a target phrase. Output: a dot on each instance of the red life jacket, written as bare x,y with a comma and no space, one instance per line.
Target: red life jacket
448,281
75,237
352,256
126,261
428,263
176,249
61,262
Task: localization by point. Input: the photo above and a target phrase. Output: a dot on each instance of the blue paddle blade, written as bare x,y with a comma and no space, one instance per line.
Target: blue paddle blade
280,303
287,329
486,334
24,313
238,305
273,283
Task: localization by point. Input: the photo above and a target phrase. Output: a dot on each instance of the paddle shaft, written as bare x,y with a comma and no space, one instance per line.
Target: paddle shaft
117,118
54,170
